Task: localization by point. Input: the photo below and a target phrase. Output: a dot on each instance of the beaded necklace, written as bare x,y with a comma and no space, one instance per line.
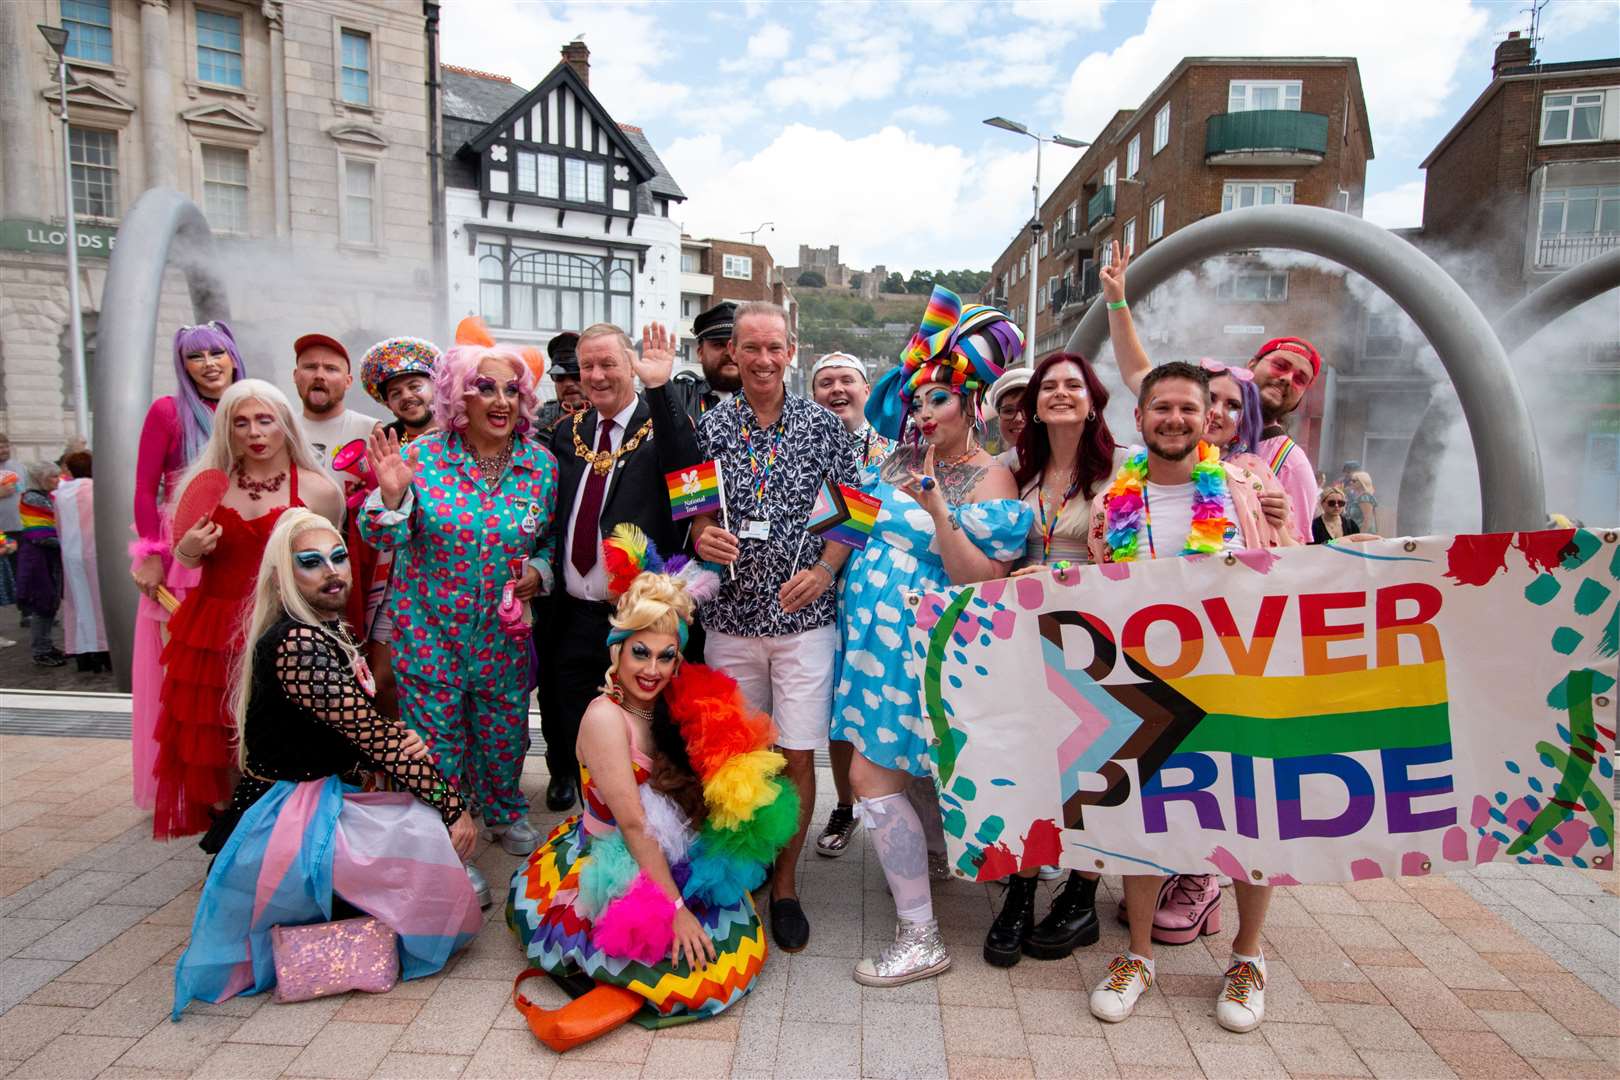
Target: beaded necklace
1126,513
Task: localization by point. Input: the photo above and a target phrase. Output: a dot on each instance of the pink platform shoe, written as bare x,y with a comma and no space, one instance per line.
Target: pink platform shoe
1189,906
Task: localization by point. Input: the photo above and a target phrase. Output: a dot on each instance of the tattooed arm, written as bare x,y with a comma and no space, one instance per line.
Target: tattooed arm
975,480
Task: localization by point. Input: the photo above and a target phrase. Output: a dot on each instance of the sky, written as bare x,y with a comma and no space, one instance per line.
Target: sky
858,123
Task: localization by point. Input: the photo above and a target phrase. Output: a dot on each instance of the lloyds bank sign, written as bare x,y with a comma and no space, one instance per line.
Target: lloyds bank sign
25,235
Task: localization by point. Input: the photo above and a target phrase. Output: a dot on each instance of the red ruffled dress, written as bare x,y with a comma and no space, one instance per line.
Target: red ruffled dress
194,729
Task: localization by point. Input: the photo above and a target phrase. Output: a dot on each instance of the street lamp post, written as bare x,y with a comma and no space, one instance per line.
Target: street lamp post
1035,224
57,38
771,225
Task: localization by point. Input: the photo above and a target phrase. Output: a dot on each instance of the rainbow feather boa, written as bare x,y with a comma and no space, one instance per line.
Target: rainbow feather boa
1125,508
752,813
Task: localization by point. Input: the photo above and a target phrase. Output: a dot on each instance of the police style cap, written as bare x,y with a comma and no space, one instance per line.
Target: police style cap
564,352
715,324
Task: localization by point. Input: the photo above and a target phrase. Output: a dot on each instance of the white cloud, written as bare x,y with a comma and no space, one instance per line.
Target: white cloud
923,115
765,46
1409,53
1401,207
1080,14
830,76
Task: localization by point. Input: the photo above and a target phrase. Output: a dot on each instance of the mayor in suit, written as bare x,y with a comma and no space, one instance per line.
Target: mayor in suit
612,460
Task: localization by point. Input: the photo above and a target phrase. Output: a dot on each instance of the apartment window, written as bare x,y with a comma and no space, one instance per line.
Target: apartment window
1257,287
527,168
1111,173
1073,211
1156,220
1133,156
89,27
1383,338
690,305
1235,196
1161,129
1247,95
219,48
359,202
1127,241
1043,243
225,188
1107,258
356,58
740,267
691,262
1580,211
95,171
1572,117
529,289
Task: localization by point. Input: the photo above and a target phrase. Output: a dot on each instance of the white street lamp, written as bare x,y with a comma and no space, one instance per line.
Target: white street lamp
57,38
1035,224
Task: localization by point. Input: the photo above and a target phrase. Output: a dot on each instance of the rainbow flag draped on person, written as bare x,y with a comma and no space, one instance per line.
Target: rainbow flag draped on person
694,490
37,514
844,514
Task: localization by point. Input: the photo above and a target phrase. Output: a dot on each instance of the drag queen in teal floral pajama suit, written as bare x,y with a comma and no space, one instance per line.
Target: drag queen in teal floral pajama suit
460,523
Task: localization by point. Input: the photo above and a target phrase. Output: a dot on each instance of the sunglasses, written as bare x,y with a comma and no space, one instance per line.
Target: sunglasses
1284,370
1334,504
314,560
1215,367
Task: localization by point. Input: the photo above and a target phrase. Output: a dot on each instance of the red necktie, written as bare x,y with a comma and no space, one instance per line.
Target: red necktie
586,525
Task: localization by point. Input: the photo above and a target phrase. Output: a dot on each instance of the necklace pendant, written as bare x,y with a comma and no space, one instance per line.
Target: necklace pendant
602,465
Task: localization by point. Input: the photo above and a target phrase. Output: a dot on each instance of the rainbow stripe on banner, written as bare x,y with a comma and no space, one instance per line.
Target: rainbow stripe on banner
844,514
694,491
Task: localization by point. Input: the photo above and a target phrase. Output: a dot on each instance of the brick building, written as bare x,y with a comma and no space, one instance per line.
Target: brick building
1218,133
300,129
713,270
1525,185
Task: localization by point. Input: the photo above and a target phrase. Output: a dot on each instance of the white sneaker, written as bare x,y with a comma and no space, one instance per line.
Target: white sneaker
1242,1005
1051,873
1115,997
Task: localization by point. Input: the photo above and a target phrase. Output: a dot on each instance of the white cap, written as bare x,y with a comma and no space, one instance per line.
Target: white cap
838,359
1012,379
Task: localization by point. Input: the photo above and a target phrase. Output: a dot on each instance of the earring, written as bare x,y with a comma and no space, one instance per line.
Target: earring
1038,419
1090,416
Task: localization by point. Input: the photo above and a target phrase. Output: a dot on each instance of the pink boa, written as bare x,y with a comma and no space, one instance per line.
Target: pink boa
639,925
140,550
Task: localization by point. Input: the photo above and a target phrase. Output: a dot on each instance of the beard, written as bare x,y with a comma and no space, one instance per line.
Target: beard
328,606
1159,447
727,381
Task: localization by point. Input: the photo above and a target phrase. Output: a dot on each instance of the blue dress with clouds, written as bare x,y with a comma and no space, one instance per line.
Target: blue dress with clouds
876,704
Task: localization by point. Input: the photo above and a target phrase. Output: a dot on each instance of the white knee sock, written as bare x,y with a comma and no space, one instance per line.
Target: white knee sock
897,837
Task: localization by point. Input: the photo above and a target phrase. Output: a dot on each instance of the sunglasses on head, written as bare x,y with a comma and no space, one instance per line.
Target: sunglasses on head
1215,367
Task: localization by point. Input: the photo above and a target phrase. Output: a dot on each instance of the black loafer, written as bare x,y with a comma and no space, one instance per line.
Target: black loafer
560,794
789,927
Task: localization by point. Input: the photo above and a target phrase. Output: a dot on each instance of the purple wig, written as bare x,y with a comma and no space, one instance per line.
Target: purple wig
1251,423
196,417
453,385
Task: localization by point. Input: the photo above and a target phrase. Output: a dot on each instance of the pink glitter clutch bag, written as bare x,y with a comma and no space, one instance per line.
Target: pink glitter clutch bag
329,958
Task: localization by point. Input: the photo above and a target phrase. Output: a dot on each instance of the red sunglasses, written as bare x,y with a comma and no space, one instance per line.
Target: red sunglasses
1285,370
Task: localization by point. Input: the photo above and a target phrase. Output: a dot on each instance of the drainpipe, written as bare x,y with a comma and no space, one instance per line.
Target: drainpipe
436,213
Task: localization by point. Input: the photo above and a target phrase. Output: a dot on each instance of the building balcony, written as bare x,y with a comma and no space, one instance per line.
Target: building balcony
1071,301
1266,137
1100,207
1561,251
1069,243
697,284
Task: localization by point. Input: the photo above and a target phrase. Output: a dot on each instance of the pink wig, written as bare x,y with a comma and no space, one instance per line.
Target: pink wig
453,385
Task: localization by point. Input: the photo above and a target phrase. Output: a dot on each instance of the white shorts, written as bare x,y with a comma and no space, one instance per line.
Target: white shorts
790,677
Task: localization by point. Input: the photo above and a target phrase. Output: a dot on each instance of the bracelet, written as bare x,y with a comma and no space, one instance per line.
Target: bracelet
832,575
1117,305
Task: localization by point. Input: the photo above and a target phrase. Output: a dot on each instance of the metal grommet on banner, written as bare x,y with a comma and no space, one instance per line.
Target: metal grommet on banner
1600,861
913,599
1231,560
1410,545
1426,866
1099,864
1601,701
1257,875
1609,537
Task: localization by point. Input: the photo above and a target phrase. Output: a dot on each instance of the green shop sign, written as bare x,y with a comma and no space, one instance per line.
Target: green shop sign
23,235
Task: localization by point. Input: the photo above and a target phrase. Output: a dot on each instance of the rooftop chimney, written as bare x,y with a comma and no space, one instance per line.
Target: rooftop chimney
1516,51
578,56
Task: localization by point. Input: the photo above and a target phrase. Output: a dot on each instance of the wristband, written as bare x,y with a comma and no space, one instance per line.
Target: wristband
1117,305
832,575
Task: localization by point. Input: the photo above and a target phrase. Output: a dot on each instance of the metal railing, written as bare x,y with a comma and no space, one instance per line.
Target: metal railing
1572,249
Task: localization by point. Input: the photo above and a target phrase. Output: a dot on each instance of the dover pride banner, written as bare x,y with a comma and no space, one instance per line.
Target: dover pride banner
1309,714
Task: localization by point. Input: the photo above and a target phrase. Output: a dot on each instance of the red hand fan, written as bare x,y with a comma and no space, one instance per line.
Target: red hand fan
200,499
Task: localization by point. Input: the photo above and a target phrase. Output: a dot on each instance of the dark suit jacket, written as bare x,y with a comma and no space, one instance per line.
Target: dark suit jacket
638,492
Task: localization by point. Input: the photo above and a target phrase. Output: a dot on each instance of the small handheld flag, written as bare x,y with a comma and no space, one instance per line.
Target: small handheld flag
844,514
695,490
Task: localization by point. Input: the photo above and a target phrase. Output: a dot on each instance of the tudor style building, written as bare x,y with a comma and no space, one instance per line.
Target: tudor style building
558,216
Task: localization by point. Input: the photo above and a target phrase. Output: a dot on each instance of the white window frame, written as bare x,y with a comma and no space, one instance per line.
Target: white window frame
375,164
1107,256
245,226
737,267
1110,175
370,33
1074,214
1161,128
1576,100
112,52
1231,193
696,258
1226,289
1133,156
1044,245
1560,195
1156,220
197,46
1127,237
116,181
1240,94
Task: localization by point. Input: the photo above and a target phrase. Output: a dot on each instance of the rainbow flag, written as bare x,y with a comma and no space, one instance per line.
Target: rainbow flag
694,491
36,512
844,514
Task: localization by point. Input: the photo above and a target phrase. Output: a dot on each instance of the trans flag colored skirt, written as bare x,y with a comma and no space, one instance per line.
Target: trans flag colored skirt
302,843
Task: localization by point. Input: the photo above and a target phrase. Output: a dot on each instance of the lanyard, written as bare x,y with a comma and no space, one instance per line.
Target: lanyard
1147,521
1049,526
761,474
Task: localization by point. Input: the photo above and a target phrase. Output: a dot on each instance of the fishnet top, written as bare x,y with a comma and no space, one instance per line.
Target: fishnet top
309,718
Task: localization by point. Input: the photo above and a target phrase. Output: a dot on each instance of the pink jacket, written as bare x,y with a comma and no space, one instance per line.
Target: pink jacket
1246,477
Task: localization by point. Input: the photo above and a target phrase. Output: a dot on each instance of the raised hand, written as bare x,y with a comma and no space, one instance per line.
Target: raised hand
924,487
657,360
394,474
1112,276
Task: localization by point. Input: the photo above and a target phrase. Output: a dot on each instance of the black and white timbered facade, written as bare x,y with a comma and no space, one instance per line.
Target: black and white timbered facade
559,217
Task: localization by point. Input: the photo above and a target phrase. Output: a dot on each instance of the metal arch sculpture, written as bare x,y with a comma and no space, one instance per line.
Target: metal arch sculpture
1511,482
161,222
1521,322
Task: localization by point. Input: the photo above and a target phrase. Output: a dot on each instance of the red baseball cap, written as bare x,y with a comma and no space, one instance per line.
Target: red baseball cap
311,340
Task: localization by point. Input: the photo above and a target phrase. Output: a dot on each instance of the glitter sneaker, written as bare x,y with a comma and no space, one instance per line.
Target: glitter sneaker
917,952
1115,997
518,838
1242,1004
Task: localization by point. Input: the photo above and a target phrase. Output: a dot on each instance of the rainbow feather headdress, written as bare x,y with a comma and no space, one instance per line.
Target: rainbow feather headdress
966,348
752,811
628,553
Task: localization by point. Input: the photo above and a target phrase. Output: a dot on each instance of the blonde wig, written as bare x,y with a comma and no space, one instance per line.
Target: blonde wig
275,594
656,602
216,452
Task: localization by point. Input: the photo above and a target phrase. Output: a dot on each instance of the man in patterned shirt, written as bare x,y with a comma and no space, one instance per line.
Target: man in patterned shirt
772,628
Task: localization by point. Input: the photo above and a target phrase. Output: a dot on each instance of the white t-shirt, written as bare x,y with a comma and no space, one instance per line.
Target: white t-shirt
1169,520
328,436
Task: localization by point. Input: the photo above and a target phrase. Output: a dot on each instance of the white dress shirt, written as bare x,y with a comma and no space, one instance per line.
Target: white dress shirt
593,586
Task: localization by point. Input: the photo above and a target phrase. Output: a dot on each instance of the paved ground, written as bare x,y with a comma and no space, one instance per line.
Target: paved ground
19,672
1505,972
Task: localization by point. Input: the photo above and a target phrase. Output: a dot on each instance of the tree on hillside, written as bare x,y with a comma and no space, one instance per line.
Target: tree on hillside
812,279
857,279
894,283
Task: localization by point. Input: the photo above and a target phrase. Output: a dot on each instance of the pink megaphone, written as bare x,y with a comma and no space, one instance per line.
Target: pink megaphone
351,458
512,612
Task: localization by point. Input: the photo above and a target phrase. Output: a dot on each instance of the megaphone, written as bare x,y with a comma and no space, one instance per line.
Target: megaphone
351,458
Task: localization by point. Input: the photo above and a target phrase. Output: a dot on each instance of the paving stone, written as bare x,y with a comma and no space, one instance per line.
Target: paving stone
398,1066
1312,1049
293,1024
1238,1061
378,1009
968,1067
902,1040
27,1029
180,1047
1598,945
821,986
85,933
73,995
1424,1000
455,1019
73,1056
811,1051
160,885
1374,1027
17,933
342,1050
127,955
975,1031
23,977
1146,1040
1565,1069
1536,1035
1061,1056
511,1055
246,1061
1539,902
1422,1064
1449,957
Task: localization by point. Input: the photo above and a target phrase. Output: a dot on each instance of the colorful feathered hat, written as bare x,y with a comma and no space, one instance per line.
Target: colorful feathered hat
628,553
966,348
392,357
